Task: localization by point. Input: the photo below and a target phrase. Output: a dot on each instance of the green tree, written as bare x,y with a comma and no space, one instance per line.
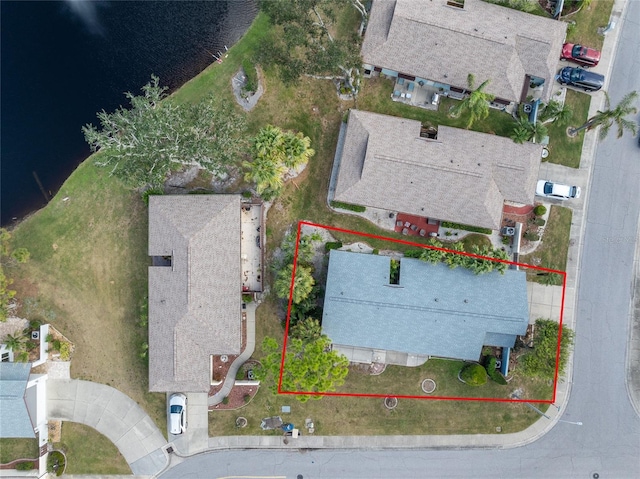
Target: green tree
556,112
303,283
302,42
306,330
274,153
432,255
305,247
605,119
308,366
526,131
453,260
476,104
15,342
541,362
144,144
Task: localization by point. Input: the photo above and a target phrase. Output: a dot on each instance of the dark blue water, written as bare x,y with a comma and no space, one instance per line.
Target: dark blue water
62,61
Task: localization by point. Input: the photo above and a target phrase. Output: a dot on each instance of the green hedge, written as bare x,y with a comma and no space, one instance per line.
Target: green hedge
457,226
493,373
329,245
348,206
473,375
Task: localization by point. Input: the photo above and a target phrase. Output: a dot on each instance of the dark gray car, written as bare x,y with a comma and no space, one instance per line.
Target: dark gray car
579,78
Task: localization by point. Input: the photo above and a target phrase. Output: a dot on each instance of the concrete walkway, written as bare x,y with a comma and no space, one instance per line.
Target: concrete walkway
113,414
230,379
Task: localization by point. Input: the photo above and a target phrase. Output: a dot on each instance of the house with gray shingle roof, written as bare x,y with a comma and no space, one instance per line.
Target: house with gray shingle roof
432,311
194,288
461,176
437,44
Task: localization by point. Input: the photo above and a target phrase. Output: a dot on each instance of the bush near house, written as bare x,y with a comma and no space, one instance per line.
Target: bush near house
473,375
493,372
348,206
457,226
539,210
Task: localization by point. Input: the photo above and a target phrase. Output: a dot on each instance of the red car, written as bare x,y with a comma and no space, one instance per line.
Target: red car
587,57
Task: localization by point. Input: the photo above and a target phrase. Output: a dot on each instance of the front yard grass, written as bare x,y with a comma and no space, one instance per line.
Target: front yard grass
368,416
553,251
17,448
588,20
89,452
564,150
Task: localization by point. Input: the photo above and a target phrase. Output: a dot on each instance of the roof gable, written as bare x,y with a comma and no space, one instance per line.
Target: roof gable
14,415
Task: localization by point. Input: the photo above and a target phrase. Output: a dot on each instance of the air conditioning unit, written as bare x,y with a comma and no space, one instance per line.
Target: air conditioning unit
35,335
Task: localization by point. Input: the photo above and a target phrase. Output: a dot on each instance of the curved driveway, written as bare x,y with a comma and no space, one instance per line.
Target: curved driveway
113,414
607,444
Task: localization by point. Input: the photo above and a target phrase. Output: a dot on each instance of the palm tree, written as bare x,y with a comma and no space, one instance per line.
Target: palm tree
525,131
477,103
302,284
556,111
605,119
267,174
15,341
297,150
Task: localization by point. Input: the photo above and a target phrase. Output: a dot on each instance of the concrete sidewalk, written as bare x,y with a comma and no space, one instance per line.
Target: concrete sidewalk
113,414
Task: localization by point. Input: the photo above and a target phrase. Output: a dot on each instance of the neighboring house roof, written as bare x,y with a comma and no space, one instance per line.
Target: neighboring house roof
434,310
431,40
195,303
463,176
14,415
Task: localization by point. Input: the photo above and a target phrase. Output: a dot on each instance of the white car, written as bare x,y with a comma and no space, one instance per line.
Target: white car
555,190
177,413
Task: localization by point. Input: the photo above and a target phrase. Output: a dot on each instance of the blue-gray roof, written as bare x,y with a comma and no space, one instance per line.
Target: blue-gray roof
434,310
14,417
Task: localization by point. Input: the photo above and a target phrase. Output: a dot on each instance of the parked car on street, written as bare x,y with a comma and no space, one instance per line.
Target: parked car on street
579,78
556,190
177,413
585,56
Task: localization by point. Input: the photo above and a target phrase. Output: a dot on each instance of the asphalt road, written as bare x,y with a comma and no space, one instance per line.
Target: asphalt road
607,445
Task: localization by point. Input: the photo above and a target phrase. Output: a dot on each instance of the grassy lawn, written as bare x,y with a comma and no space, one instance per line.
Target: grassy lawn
588,20
89,452
88,276
564,150
18,448
552,253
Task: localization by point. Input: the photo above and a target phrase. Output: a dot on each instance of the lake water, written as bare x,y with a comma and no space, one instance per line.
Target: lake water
62,61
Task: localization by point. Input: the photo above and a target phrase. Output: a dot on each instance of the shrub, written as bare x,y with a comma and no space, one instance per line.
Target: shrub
247,298
246,398
375,251
240,375
225,400
348,206
473,375
506,239
56,345
493,373
65,351
458,226
251,84
329,245
539,222
55,462
413,253
541,362
531,236
247,194
539,210
25,466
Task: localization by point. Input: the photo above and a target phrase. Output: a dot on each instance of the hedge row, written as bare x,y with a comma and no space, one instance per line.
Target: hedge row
348,206
457,226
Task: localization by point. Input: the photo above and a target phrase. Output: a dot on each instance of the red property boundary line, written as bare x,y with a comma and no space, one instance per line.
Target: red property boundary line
418,245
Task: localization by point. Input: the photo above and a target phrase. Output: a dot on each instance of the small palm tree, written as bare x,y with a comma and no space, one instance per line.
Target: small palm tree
266,173
477,103
297,150
526,131
605,119
556,112
14,342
